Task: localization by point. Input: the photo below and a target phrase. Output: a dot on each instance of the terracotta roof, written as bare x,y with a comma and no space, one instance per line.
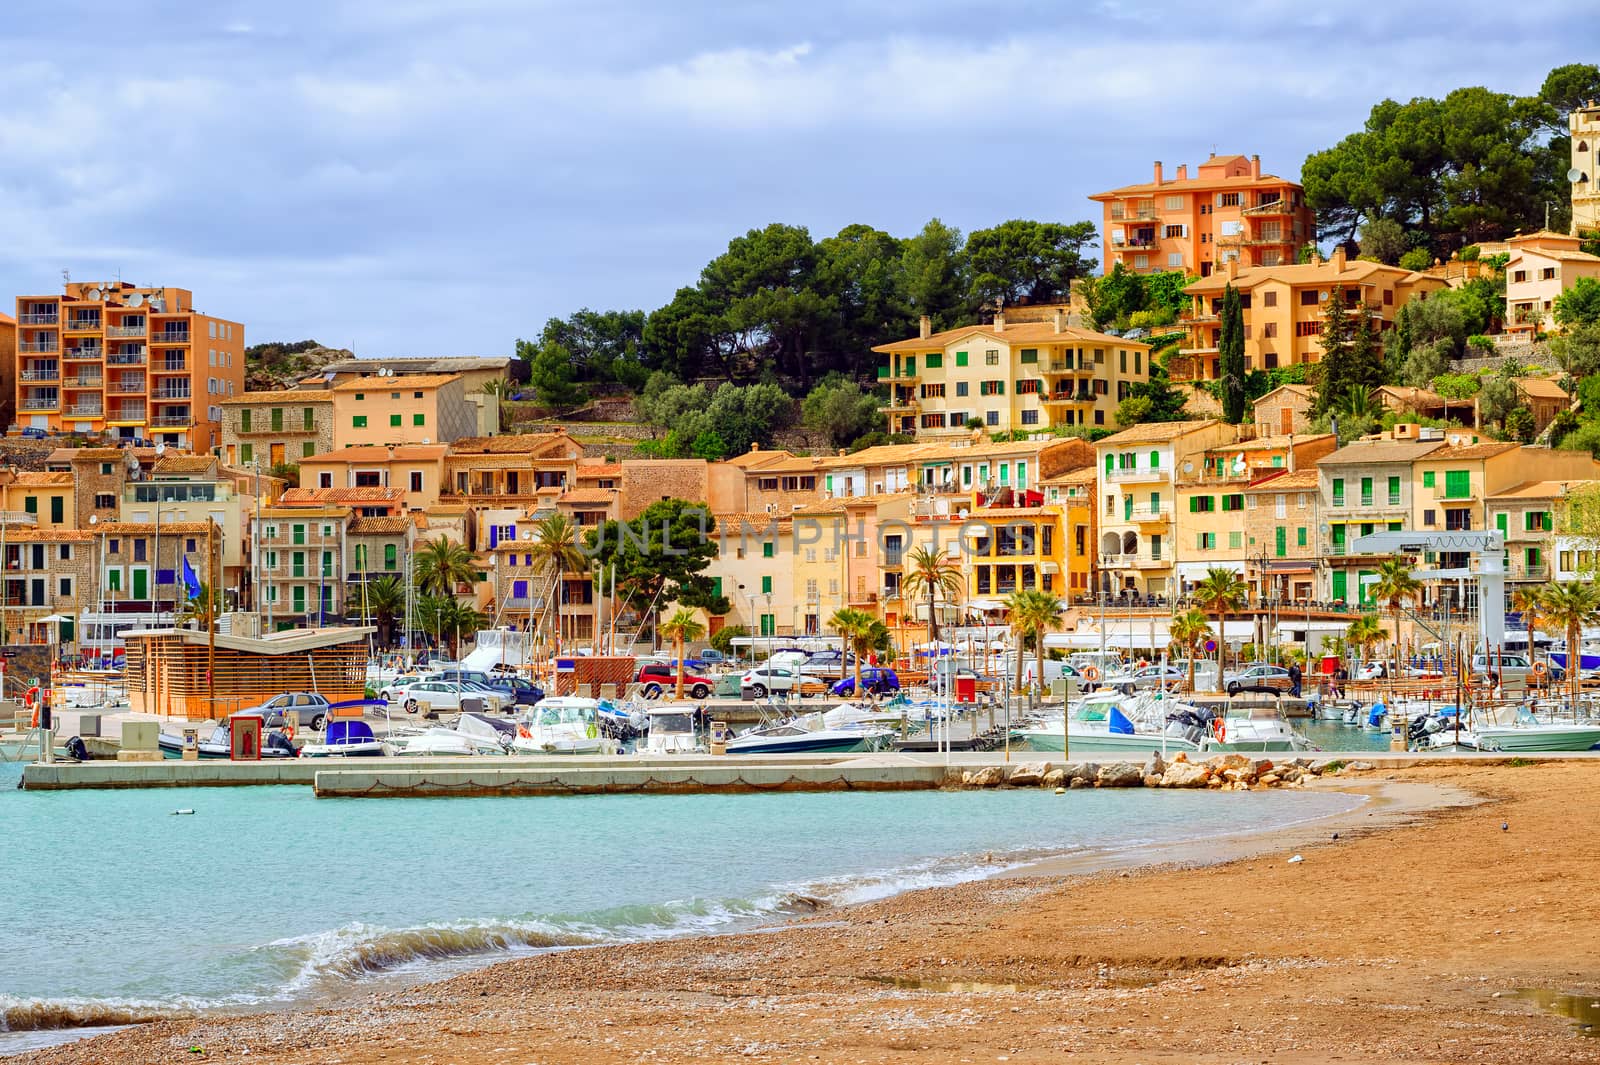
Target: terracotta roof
68,454
1355,270
1299,390
1542,235
589,495
875,498
1299,479
142,528
1267,443
1486,449
1044,510
1538,490
1085,475
730,523
600,469
1156,432
383,453
6,319
396,384
1363,451
379,526
1014,334
283,395
314,496
758,458
1410,394
510,444
185,464
35,479
799,464
1198,184
49,536
820,509
1542,388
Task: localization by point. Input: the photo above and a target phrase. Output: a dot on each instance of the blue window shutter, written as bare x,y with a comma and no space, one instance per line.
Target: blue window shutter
494,536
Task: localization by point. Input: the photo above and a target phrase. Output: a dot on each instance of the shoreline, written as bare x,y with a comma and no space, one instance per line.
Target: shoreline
1386,806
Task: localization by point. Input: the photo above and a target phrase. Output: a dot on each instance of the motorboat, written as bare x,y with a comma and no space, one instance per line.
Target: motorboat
1106,721
438,741
496,647
346,739
218,743
562,724
671,730
793,737
1517,729
1258,729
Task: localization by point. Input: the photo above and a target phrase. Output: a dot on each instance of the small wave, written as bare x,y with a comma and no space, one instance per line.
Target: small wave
359,950
37,1015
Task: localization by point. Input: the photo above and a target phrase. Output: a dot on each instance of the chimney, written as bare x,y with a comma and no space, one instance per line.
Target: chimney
1158,172
999,321
1183,171
1316,257
843,452
1231,268
755,446
1255,167
925,325
1061,320
1338,259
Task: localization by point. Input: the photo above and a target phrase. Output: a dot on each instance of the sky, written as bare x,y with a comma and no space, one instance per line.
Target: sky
421,177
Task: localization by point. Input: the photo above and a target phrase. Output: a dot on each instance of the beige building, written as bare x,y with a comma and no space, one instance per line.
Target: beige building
415,469
276,428
1283,310
475,372
1027,376
1285,410
1542,266
1280,518
419,409
50,498
1584,123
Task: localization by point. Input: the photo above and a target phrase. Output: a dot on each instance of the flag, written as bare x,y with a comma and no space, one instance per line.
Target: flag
191,583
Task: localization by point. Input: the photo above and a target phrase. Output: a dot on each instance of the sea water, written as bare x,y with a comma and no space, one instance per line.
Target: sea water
118,907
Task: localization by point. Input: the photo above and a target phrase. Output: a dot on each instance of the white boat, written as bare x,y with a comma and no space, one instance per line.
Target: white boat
346,739
671,731
440,741
1106,721
562,724
792,737
496,647
1517,729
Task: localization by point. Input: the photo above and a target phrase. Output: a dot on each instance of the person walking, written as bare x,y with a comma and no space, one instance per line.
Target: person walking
1294,679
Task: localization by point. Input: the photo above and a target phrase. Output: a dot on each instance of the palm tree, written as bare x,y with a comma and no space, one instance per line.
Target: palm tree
1394,586
1365,633
202,607
1033,613
383,600
555,550
500,390
1573,605
855,627
1189,631
1529,602
441,565
681,628
928,572
1218,592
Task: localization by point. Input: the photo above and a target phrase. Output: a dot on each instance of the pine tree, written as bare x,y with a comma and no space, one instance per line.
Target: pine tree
1230,350
1366,349
1333,373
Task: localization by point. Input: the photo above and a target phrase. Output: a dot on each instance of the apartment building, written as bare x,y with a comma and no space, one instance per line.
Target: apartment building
1283,309
49,498
1030,375
415,469
753,567
1364,487
1138,482
276,428
138,362
1584,123
1281,515
1074,494
189,490
141,564
1526,514
8,368
1229,211
498,469
479,377
820,534
1013,549
1542,266
49,572
320,547
418,409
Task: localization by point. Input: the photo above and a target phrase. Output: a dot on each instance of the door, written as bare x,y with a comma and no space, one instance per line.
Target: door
276,452
1285,421
140,579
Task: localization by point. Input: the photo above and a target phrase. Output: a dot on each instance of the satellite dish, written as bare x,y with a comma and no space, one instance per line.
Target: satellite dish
1574,175
161,449
91,294
1188,467
136,300
1455,440
94,519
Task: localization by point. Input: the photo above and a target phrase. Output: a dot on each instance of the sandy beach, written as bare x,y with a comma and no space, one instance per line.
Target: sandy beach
1406,938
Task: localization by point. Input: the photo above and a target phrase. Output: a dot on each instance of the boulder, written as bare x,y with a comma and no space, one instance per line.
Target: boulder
1027,775
1078,782
1267,780
1239,775
1084,771
1120,775
1181,756
1185,774
1230,761
1262,765
988,777
1055,778
1358,767
1289,773
1154,766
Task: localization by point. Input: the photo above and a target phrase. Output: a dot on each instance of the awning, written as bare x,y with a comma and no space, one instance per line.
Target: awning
1291,565
986,605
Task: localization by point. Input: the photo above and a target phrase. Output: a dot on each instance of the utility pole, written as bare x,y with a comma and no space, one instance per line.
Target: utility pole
211,609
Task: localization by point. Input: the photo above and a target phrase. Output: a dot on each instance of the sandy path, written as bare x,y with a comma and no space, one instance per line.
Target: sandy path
1389,944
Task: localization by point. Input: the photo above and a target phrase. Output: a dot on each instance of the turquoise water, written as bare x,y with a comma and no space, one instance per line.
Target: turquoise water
1337,736
269,894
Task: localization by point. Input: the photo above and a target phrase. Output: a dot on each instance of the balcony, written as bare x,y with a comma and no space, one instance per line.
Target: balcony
884,373
1275,208
36,346
170,366
95,353
85,410
1538,571
126,331
1136,243
126,386
125,358
1060,366
83,325
127,415
170,336
1143,473
1143,560
84,380
1064,396
1160,513
1142,214
170,393
41,375
47,318
37,401
171,421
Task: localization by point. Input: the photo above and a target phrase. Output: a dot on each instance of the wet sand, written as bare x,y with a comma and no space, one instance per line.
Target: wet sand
1403,940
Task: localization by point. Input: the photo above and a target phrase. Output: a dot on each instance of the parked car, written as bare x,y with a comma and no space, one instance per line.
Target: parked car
523,691
35,433
879,680
1260,677
1168,676
1515,667
656,679
832,662
312,708
448,695
713,657
765,680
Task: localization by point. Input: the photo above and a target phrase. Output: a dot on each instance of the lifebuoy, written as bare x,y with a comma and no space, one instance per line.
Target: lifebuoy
522,731
288,731
30,696
1219,727
1539,670
1092,673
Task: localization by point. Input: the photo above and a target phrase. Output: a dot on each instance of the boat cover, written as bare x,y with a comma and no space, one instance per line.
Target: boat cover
1118,724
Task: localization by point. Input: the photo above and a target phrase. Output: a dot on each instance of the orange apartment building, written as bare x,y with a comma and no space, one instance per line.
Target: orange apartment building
140,363
8,364
1229,211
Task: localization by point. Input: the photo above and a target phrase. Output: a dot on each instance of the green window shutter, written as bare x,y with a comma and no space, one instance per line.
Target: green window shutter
394,421
1394,526
299,598
299,534
244,420
358,421
1199,541
1005,474
1340,584
1394,491
1155,460
1127,508
911,366
767,548
1235,540
114,580
935,362
1530,557
390,551
277,419
766,585
1030,354
1338,491
57,506
30,504
827,483
961,358
1155,502
307,449
1300,536
309,420
1457,484
141,580
247,452
1281,541
716,586
1194,504
1362,586
1500,523
419,419
1110,461
1427,478
361,558
1366,491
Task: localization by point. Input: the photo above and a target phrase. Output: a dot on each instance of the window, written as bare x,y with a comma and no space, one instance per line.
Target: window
394,421
961,388
933,391
416,480
244,420
106,501
1233,502
1206,541
1030,417
766,585
1269,330
358,421
1202,504
1536,521
1155,460
308,449
1307,329
1366,491
389,556
934,362
1457,484
419,419
30,504
277,419
961,358
1028,386
1308,298
1338,491
308,422
1235,541
1269,299
991,357
1519,275
1229,199
991,388
65,553
1030,354
767,548
1427,478
1394,491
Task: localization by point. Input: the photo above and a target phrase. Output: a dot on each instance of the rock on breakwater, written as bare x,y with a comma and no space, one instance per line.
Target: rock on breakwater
1226,772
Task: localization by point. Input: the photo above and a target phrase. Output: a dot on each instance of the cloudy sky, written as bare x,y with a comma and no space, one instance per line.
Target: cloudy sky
431,177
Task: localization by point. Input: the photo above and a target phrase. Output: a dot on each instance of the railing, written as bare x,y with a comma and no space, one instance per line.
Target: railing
1134,561
83,325
1138,474
892,558
127,414
85,410
126,387
1143,244
38,319
84,381
1147,512
1274,207
85,353
1141,215
126,331
171,393
41,375
1066,366
1067,397
37,345
170,336
172,421
171,367
39,403
125,358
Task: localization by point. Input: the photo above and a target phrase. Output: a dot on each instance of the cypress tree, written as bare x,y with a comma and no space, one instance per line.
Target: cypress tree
1230,351
1334,374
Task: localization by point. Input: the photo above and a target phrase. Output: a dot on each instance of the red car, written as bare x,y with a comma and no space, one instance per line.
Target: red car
656,679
